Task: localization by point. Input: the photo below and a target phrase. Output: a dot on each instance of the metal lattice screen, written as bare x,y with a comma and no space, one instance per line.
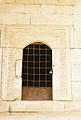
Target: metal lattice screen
36,66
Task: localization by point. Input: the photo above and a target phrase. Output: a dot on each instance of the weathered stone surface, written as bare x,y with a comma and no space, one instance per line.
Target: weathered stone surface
67,2
76,91
76,64
1,18
4,106
9,1
18,68
40,106
23,18
9,18
10,56
30,9
72,106
57,36
61,74
67,10
0,73
58,25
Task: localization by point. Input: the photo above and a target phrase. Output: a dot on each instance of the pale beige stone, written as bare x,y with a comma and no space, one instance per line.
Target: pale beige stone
77,28
46,9
32,9
10,1
49,2
0,55
62,75
9,18
36,2
2,1
66,2
56,36
18,8
12,8
72,106
37,19
67,19
17,88
10,56
6,8
18,68
40,106
24,1
1,18
78,2
77,9
64,10
23,18
53,19
76,64
0,73
76,90
4,106
46,19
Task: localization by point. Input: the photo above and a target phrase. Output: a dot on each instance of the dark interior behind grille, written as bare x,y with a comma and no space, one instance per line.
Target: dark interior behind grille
37,63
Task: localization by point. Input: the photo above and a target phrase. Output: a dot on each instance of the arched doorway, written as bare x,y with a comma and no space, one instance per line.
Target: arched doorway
37,72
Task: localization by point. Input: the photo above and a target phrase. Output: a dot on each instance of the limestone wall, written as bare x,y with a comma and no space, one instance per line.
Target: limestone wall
38,12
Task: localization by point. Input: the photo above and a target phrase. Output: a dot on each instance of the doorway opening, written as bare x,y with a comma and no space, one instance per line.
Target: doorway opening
37,72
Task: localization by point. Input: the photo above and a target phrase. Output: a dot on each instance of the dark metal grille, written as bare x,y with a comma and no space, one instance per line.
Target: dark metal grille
36,66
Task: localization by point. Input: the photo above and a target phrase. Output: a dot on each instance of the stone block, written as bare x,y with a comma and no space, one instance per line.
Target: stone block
1,18
38,106
76,91
23,18
66,2
9,18
77,28
10,1
77,9
37,19
18,88
18,8
32,9
64,10
10,56
24,2
19,68
48,2
2,1
6,8
46,19
4,106
78,2
76,64
67,19
62,75
47,9
36,2
72,106
12,8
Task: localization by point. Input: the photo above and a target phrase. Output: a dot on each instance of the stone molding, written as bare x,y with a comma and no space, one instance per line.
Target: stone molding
15,38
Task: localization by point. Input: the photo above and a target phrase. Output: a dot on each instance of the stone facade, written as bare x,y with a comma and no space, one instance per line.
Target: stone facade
57,24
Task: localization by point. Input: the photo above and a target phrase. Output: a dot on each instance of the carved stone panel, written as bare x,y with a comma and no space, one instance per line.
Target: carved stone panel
61,74
58,37
15,38
10,56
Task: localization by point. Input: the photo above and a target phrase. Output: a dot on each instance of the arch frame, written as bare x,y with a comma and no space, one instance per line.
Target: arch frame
57,38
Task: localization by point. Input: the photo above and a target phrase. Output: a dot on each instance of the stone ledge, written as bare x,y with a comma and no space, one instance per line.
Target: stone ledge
40,106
